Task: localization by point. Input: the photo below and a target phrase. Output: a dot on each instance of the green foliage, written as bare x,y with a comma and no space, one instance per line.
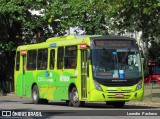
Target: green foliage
17,23
19,26
87,15
136,15
154,52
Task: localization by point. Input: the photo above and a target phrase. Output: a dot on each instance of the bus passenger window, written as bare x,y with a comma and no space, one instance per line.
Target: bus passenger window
71,57
60,57
43,65
52,59
31,59
17,61
73,63
42,59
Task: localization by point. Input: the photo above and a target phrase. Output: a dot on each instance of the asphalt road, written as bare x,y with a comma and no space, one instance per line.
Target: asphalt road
19,107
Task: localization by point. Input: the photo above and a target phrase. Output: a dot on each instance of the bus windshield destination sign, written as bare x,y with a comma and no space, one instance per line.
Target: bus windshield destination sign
113,43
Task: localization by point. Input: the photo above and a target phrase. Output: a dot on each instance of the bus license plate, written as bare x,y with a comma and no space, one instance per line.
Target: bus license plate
119,95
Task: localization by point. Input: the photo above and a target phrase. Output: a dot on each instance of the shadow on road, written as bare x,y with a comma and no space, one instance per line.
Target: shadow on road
2,101
87,105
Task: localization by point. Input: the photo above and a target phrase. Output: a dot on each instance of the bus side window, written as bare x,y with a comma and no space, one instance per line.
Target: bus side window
71,57
17,61
52,59
31,59
42,59
60,58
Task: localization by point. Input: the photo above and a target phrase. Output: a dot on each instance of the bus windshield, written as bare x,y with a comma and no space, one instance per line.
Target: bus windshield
116,63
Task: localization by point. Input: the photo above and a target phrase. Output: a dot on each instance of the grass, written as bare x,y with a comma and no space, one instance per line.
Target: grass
152,92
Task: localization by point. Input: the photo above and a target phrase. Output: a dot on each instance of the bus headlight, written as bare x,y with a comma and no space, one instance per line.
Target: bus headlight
139,85
97,86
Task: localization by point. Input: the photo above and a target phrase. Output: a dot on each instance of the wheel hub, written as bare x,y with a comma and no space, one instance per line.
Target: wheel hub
34,95
75,96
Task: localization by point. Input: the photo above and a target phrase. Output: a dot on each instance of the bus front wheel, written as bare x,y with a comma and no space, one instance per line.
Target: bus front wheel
74,100
35,95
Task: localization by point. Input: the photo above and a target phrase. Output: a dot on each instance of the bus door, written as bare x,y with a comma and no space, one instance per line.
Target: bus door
23,53
52,75
84,73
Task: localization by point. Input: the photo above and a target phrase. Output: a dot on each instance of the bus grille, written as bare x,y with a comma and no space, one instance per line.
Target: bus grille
112,94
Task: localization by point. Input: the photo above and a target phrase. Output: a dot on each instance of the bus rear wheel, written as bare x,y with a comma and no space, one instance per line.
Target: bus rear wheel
74,100
35,95
117,104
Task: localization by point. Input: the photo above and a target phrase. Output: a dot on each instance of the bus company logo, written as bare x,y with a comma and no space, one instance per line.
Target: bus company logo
6,113
47,73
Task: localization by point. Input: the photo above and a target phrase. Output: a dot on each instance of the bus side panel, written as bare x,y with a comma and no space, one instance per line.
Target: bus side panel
40,79
18,83
18,76
57,92
62,83
30,79
51,85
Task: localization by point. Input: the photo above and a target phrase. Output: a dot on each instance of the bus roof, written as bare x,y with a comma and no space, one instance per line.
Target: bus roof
68,40
59,41
69,37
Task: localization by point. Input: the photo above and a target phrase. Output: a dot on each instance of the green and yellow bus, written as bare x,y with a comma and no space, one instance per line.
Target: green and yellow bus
77,69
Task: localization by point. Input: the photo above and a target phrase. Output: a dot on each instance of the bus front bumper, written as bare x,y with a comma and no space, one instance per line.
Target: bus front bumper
96,95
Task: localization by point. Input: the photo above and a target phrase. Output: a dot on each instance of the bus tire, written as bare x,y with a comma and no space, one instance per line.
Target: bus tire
117,104
35,95
74,98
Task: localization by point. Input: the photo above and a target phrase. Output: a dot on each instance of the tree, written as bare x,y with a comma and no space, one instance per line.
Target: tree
19,26
137,15
154,52
88,15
